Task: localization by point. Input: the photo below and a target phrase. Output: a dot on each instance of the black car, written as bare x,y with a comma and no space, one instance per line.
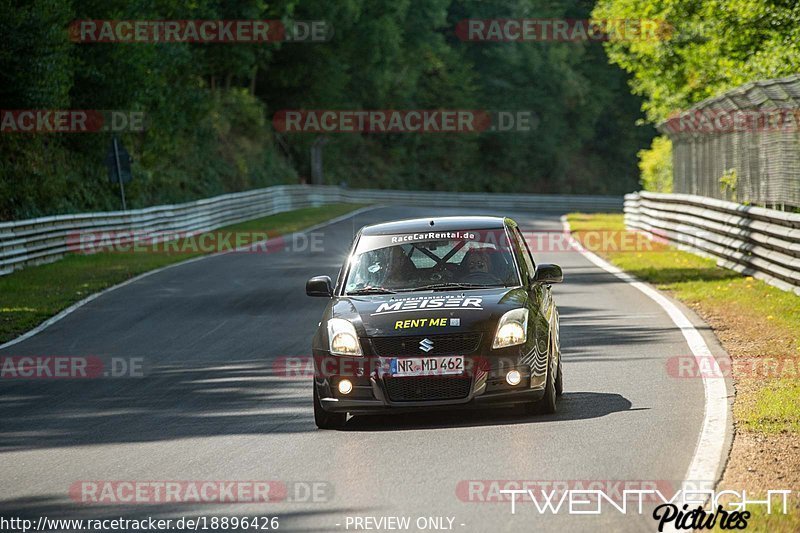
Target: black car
436,313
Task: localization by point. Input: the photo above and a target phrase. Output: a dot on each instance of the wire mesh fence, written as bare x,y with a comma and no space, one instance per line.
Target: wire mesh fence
742,146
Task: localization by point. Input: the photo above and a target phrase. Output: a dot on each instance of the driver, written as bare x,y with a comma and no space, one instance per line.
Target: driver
478,261
399,267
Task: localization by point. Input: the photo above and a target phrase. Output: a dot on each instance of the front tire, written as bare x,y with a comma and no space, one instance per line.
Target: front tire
324,419
559,378
547,405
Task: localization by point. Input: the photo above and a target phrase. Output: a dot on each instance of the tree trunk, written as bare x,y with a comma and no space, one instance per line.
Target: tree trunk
253,80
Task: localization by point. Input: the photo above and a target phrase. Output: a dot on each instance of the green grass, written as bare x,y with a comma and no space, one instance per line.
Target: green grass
752,319
760,521
774,522
32,295
757,319
776,409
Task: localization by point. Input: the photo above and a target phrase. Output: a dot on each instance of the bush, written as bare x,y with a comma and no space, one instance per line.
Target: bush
656,166
231,148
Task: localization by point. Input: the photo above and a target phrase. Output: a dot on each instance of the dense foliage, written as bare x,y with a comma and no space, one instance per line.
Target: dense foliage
713,46
209,106
656,166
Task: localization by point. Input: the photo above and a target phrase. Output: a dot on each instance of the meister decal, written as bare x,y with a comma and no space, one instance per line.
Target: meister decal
429,302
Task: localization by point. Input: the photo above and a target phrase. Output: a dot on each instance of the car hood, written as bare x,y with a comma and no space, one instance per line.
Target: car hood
426,312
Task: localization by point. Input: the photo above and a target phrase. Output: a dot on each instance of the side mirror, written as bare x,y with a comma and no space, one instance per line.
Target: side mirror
319,286
547,273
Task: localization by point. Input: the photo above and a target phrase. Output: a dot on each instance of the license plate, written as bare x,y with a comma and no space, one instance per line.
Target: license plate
427,366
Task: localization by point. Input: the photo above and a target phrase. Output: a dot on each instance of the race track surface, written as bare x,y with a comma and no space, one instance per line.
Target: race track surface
215,406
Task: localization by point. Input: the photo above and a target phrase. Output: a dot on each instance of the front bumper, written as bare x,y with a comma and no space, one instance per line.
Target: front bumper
481,385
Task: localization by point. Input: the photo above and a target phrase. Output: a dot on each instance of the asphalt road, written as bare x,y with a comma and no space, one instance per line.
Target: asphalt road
214,406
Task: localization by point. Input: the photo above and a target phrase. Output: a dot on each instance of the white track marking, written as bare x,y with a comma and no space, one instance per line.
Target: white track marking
709,454
50,321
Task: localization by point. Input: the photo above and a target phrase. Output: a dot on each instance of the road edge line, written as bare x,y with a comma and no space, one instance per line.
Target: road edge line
77,305
710,454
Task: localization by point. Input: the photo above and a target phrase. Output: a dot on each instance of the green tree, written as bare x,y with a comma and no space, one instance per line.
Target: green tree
713,46
656,166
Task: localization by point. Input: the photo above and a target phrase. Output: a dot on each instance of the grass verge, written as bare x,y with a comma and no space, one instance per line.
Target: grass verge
32,295
755,322
756,319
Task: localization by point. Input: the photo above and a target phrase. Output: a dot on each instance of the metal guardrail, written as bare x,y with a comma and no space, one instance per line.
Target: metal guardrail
47,239
762,243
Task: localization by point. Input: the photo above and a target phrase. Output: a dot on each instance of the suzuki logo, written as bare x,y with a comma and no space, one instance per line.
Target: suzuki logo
426,345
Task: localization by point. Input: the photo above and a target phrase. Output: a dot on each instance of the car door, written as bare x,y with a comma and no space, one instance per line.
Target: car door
540,299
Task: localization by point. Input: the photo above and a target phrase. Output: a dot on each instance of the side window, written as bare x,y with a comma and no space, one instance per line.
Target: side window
526,252
340,279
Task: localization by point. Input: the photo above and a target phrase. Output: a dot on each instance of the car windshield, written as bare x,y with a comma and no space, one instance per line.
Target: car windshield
461,260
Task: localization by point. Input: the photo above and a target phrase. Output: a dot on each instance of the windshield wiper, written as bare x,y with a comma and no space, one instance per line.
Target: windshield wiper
371,290
447,286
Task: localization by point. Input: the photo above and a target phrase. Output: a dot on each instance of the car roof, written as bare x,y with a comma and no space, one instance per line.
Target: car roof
434,224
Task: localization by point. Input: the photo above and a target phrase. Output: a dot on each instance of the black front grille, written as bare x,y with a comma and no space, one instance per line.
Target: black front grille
442,345
414,389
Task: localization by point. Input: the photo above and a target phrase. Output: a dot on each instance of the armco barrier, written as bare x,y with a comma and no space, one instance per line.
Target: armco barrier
763,243
41,240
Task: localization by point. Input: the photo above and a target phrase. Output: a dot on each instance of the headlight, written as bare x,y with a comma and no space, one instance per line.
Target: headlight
342,337
512,329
